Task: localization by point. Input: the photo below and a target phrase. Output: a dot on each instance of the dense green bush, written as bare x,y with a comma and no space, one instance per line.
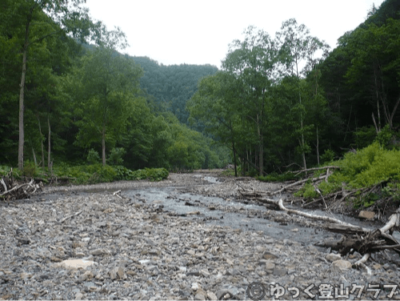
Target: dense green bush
116,155
367,167
97,173
93,157
275,177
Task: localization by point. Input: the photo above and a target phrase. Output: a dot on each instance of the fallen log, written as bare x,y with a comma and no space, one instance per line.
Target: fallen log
295,184
364,241
297,172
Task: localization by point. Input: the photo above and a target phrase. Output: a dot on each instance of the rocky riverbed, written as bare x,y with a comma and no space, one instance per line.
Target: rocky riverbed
71,243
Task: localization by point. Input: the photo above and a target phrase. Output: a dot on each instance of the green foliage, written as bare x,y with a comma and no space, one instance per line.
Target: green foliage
392,190
29,169
275,177
365,168
97,173
93,156
370,166
116,155
328,156
172,86
385,137
307,191
364,136
365,201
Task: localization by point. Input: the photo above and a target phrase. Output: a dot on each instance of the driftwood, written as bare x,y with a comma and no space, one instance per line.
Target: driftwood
297,172
11,190
355,239
295,184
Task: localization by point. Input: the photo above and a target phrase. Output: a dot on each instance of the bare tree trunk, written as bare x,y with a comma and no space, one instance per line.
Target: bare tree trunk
303,144
234,157
261,147
21,100
49,145
41,140
393,113
317,147
261,157
377,101
103,146
34,156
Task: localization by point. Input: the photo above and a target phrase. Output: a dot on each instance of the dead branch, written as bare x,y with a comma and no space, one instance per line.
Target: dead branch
363,259
69,216
297,172
363,240
4,184
17,187
295,184
319,192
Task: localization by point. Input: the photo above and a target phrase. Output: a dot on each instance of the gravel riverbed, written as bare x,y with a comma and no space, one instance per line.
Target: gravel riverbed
95,245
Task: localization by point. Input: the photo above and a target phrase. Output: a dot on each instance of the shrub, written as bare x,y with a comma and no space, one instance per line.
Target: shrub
101,173
275,177
116,155
328,156
93,157
29,169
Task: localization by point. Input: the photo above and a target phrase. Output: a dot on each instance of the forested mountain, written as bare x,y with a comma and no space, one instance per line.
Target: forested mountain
172,86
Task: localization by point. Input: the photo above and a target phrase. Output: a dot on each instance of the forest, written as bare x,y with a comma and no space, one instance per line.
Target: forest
72,103
289,102
69,99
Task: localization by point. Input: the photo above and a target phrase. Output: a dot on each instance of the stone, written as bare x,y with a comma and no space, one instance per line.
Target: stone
117,273
370,215
195,286
342,264
268,255
99,252
211,296
269,265
333,257
76,264
200,295
377,266
280,271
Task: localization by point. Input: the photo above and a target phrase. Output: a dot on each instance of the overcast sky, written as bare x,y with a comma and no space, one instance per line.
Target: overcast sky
199,32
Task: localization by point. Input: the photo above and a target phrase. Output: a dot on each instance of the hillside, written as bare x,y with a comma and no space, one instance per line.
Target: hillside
172,86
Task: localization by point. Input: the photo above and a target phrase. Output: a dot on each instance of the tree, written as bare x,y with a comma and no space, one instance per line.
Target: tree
296,48
213,105
109,84
252,63
32,21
